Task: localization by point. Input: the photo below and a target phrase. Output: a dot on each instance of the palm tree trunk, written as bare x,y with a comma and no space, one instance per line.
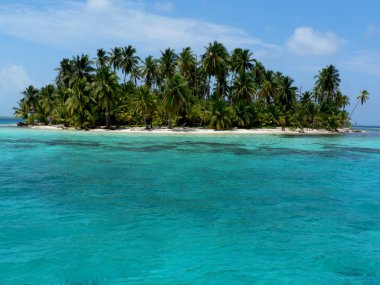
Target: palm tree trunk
354,108
108,117
177,114
170,121
151,120
232,84
145,122
209,87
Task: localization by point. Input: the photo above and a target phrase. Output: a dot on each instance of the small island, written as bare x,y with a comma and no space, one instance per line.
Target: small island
220,90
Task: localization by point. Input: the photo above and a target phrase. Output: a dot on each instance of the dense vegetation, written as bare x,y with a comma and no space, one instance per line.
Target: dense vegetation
220,90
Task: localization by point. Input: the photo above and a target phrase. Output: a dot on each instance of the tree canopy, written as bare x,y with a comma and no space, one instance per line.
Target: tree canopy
218,89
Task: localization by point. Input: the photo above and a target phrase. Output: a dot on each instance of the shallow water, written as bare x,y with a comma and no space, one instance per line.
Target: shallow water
90,208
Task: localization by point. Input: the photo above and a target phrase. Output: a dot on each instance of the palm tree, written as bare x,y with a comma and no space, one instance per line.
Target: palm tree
342,101
286,92
241,114
101,58
178,86
312,112
220,116
259,73
105,87
268,91
362,99
198,114
215,63
77,103
30,99
28,104
168,63
129,61
115,57
244,88
83,67
176,92
47,102
150,71
186,62
135,75
306,97
241,60
66,73
144,103
327,82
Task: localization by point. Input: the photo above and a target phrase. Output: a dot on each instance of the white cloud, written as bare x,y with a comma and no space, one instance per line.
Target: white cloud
307,41
372,31
106,23
98,5
366,62
13,79
164,6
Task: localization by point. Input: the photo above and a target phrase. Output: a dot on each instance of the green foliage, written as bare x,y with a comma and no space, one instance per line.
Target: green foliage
221,115
242,114
143,103
175,89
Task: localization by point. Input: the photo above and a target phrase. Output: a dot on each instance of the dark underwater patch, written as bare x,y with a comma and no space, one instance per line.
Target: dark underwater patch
72,143
360,149
31,142
356,272
301,135
23,146
152,148
210,144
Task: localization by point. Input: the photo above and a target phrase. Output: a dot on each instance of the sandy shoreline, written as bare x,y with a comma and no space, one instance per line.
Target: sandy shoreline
198,131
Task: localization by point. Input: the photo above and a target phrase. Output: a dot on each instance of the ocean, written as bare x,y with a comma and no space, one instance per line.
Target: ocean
106,208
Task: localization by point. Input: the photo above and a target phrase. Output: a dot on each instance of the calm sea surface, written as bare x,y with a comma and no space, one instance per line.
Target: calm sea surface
88,208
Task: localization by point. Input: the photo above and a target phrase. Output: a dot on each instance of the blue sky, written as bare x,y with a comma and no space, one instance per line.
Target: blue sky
295,37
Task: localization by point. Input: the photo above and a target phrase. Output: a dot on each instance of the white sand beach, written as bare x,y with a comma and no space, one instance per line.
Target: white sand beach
200,131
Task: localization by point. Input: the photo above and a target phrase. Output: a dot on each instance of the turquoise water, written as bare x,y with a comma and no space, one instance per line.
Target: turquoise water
9,121
87,208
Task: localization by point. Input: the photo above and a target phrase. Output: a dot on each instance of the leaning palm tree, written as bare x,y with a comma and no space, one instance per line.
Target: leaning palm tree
362,99
105,88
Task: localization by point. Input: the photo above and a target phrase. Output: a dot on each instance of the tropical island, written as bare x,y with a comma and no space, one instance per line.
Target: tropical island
222,90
